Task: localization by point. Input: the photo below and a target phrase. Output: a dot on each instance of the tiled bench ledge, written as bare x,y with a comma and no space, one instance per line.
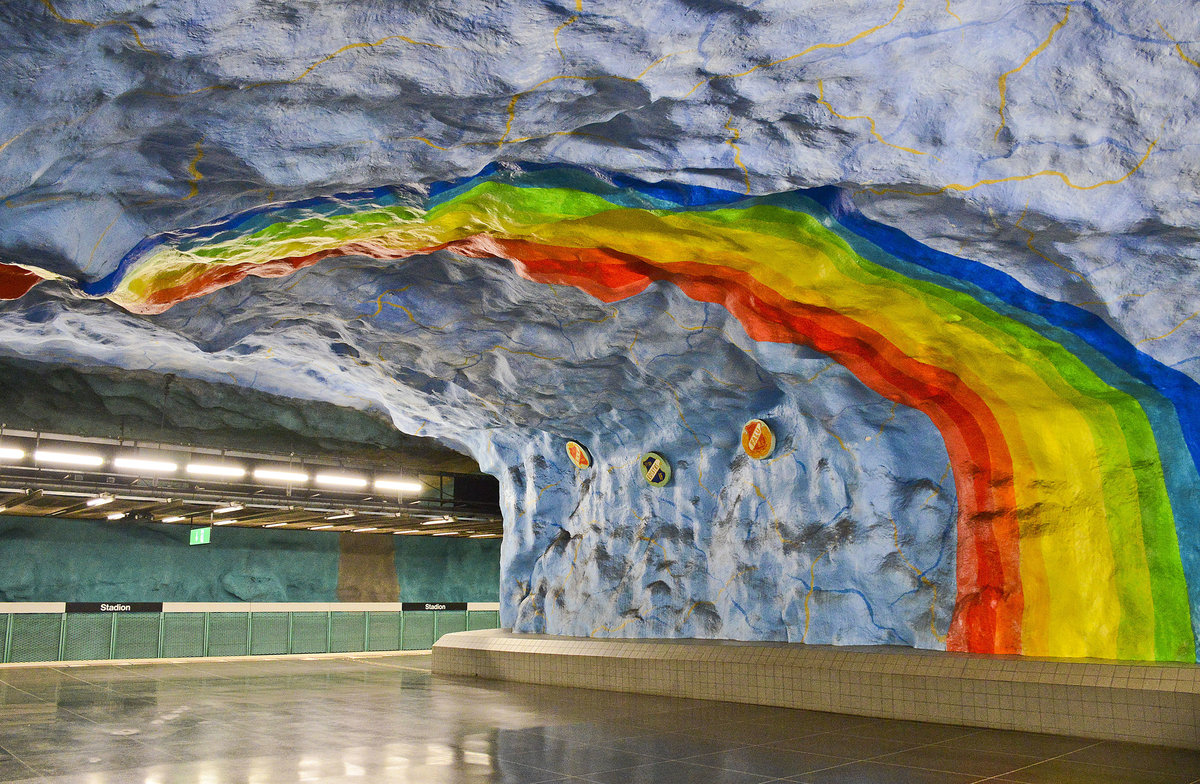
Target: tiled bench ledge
1144,703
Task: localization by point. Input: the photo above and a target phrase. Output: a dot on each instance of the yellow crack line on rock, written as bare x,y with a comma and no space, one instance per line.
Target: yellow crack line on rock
857,37
659,545
923,578
612,629
681,326
95,25
538,500
1035,251
956,16
821,100
1108,302
306,72
13,139
380,303
566,24
1003,82
512,104
938,490
92,255
1178,48
14,204
737,151
814,376
192,170
1019,178
812,586
774,515
1166,334
887,421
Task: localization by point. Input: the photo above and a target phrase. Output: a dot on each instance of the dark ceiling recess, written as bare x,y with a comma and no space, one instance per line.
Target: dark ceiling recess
480,489
145,406
60,475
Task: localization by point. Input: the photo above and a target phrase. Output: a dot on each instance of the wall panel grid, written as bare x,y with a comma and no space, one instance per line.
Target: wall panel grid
29,637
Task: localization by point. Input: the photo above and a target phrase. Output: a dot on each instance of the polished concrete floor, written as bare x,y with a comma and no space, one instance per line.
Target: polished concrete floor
387,719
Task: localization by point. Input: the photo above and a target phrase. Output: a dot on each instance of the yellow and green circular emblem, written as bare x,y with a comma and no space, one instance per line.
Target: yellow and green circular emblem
655,469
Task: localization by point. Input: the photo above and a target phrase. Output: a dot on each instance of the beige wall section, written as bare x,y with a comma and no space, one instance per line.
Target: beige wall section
1145,703
367,569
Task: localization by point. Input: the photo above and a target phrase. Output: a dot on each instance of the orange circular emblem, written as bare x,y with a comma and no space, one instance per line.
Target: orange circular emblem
757,439
579,454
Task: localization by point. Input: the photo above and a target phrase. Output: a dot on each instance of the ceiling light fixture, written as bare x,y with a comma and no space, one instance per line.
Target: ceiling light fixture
320,527
483,536
11,453
224,522
210,469
116,515
228,509
341,516
363,530
100,500
438,520
341,480
444,533
274,525
400,485
67,458
173,519
277,475
151,466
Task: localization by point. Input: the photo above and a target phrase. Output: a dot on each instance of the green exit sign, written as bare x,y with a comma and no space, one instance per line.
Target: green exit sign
201,535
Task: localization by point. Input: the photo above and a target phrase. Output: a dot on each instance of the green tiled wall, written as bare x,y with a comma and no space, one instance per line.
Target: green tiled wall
38,637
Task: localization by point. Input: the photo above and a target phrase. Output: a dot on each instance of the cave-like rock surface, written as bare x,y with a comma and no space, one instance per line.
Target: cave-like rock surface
947,251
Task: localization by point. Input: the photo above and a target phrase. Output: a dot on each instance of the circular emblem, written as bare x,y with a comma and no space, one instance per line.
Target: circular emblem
579,454
655,469
757,439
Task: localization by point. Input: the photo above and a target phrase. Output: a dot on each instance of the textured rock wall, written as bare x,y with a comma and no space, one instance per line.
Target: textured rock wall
948,251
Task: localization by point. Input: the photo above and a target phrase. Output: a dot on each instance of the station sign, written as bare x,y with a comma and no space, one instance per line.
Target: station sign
579,455
114,607
757,439
655,469
422,606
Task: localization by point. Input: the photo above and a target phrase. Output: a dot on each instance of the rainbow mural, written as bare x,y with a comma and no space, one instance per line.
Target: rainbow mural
1074,454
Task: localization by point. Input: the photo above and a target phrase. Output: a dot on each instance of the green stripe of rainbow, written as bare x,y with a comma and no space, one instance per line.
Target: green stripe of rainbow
1067,533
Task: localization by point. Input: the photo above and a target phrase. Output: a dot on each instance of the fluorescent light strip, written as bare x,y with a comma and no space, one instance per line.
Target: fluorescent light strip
151,466
445,533
208,469
224,522
277,475
340,516
173,519
398,484
274,525
320,527
363,530
67,458
484,536
340,480
228,509
11,453
439,520
116,515
100,500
